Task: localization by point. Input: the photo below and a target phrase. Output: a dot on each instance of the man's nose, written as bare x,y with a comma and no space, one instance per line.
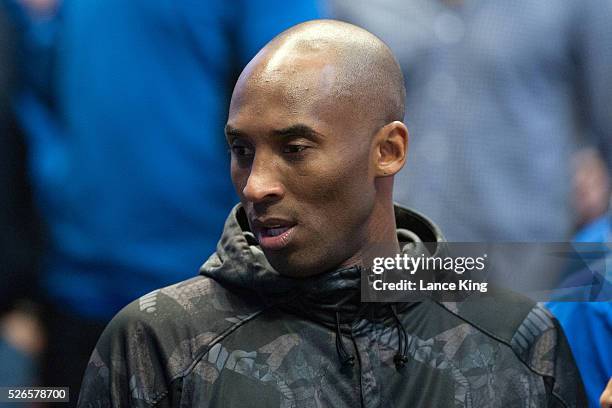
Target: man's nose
263,183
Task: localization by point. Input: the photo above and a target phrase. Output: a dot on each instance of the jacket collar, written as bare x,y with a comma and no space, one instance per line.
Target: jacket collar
240,264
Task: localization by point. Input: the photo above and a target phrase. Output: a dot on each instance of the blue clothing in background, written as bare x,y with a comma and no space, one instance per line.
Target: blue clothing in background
588,326
18,369
124,110
597,231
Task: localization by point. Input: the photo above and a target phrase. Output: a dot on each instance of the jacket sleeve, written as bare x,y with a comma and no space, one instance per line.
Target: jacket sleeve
567,388
537,339
125,369
541,344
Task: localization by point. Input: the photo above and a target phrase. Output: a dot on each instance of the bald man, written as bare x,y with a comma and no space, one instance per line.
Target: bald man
275,318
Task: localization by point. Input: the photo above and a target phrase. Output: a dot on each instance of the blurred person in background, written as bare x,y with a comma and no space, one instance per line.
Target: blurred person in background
123,108
21,338
503,93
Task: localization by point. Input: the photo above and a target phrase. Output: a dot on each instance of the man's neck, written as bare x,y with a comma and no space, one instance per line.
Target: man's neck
380,238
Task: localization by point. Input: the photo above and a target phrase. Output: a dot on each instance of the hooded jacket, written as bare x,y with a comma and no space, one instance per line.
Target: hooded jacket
241,335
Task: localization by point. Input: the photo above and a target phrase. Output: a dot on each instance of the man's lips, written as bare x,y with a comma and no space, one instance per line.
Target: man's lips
273,233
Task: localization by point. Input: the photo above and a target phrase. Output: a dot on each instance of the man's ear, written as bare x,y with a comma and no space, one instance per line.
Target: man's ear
391,146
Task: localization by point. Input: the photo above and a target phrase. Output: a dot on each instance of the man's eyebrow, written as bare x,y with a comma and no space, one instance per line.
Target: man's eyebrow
298,130
232,131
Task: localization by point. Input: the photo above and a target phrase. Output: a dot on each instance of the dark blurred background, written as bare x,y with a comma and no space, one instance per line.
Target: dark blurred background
114,170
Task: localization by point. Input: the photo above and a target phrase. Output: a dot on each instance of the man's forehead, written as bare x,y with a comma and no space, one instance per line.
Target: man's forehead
275,119
300,87
291,53
291,74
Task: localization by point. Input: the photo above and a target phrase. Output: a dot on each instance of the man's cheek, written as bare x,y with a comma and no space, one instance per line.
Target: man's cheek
238,180
329,184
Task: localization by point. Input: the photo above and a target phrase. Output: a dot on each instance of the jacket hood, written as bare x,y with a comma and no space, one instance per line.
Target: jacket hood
239,263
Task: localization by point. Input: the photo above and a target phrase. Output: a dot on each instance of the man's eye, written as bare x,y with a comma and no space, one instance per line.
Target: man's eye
294,148
242,151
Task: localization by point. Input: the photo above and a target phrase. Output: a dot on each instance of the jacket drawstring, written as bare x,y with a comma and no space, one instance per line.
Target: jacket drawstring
345,357
401,358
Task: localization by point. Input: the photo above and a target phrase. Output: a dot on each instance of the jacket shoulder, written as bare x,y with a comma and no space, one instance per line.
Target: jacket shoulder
534,335
193,306
498,312
158,338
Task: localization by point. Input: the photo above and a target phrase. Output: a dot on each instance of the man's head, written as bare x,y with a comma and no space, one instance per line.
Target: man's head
316,136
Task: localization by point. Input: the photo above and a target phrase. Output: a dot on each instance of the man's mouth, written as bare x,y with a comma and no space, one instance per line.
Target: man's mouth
273,235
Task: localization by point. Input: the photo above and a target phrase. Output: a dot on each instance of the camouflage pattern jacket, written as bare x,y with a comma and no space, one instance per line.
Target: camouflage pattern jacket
240,335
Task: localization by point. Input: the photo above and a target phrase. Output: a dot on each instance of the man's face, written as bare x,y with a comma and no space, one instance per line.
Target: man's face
301,167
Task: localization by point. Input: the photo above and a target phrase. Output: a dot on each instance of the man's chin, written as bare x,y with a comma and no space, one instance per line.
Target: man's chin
298,262
288,267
